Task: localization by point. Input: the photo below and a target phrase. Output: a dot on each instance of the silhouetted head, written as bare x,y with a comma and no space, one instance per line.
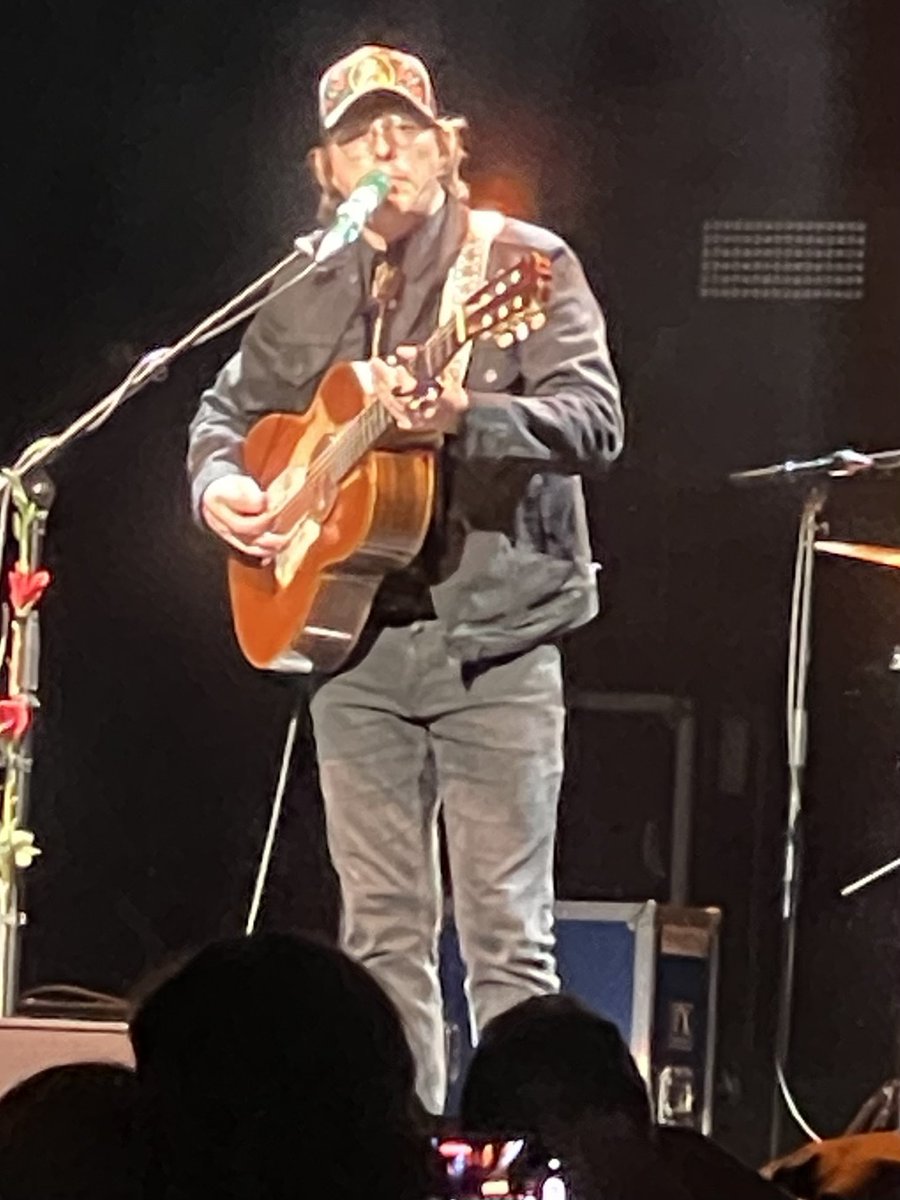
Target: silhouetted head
271,1064
549,1062
68,1132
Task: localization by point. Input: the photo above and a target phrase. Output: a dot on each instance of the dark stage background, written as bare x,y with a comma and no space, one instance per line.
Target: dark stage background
155,163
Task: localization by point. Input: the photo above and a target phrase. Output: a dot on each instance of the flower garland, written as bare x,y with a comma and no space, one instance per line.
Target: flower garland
27,584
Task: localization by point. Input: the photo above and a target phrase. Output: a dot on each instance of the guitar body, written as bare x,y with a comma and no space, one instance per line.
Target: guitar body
352,496
315,599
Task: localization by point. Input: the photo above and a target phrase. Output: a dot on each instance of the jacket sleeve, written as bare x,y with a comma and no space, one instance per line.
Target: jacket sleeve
252,382
569,416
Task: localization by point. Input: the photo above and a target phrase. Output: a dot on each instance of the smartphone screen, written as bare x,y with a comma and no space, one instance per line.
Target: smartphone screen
477,1168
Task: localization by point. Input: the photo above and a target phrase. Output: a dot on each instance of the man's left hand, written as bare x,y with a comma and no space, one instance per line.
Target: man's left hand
438,411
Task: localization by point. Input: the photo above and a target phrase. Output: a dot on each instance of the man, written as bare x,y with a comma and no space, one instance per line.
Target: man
454,696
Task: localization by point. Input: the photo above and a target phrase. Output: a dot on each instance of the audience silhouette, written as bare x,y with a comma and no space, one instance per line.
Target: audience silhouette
552,1069
68,1133
273,1066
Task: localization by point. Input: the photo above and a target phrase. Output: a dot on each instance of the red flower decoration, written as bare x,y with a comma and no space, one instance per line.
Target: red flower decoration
15,717
26,588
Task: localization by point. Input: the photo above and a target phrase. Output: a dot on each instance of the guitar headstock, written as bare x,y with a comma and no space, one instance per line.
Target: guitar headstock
510,305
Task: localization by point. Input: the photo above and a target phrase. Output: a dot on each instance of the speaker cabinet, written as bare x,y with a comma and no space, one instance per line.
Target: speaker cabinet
28,1045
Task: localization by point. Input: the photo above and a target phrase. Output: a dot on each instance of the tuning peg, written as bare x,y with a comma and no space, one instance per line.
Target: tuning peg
522,331
505,339
537,321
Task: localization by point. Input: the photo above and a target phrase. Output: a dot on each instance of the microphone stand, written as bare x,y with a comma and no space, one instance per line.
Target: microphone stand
28,492
797,725
816,473
22,630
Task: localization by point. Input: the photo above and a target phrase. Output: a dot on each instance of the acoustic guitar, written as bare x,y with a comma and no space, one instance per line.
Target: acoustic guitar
352,508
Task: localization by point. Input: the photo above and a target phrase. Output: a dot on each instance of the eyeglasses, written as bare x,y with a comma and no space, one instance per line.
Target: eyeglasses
357,140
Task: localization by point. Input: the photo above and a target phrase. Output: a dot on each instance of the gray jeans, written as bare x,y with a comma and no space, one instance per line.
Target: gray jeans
399,735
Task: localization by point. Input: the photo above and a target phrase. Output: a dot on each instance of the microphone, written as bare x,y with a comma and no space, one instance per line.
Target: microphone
353,213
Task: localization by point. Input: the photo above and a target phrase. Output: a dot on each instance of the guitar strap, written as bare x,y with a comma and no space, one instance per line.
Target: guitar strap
467,274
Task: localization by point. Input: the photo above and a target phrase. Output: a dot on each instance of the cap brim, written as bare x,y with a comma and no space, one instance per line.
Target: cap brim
340,110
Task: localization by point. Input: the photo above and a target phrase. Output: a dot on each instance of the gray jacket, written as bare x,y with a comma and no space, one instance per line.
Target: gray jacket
517,569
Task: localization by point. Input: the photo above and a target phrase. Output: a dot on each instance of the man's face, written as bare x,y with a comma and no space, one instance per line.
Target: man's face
387,134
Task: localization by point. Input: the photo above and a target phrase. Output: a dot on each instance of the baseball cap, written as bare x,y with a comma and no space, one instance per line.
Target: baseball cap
374,69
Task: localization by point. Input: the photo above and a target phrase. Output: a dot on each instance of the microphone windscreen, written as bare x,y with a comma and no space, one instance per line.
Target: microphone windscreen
378,180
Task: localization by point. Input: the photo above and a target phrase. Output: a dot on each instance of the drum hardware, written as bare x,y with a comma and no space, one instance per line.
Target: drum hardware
812,537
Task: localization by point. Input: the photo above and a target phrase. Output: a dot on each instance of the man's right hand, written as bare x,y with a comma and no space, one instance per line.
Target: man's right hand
236,508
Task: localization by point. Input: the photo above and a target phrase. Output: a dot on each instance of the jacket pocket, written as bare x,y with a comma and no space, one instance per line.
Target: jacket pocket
493,369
